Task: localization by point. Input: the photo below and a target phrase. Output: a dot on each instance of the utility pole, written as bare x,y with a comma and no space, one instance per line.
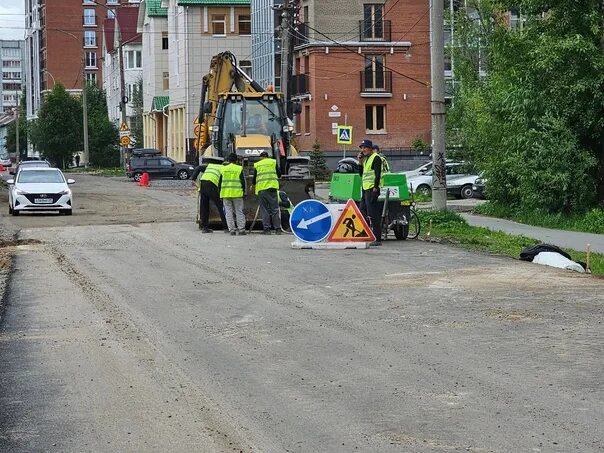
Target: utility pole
285,38
85,154
437,57
123,99
18,153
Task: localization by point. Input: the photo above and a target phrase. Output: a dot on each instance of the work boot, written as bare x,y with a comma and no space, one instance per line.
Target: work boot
278,231
266,231
242,233
206,230
226,231
233,233
375,244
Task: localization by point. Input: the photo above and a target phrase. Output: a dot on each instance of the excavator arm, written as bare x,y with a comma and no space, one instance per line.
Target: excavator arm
224,74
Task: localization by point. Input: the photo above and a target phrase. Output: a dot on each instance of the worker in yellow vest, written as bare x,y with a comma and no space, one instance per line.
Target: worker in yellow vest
266,184
232,188
208,179
372,179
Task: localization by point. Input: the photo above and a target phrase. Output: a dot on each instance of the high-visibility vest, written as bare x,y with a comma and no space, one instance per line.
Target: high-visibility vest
290,208
212,174
369,174
231,181
385,164
266,174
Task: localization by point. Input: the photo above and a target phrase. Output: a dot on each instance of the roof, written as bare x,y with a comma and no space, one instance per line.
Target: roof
159,103
154,8
214,2
127,17
6,119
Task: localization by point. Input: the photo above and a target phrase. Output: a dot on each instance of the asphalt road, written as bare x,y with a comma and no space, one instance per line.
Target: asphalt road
148,336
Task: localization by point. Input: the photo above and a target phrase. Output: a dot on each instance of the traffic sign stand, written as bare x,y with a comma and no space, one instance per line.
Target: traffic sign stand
329,245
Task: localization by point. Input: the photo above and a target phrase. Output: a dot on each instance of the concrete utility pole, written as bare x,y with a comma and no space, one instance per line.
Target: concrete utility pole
18,154
437,57
86,153
285,38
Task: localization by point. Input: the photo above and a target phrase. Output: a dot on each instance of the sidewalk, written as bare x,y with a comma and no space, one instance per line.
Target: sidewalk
562,238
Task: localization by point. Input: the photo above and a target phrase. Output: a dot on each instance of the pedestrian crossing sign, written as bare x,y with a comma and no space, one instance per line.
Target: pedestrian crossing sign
351,226
344,134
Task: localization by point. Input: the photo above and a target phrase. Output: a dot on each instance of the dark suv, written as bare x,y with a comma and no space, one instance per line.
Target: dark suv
157,167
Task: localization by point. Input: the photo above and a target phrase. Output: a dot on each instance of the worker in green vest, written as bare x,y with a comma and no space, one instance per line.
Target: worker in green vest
232,188
208,178
372,179
266,184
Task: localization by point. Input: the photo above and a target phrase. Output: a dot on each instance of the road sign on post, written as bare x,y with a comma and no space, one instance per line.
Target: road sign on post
344,135
125,140
310,221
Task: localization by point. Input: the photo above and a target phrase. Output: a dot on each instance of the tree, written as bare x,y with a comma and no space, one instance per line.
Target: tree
318,163
102,133
57,132
535,123
11,136
136,122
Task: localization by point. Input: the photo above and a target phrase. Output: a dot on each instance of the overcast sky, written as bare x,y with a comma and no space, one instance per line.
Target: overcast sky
12,19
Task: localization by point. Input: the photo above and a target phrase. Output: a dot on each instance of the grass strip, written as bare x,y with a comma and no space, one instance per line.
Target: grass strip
97,171
448,226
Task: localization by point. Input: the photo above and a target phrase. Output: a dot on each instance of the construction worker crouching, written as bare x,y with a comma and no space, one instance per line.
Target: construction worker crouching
372,179
208,191
286,208
232,188
266,184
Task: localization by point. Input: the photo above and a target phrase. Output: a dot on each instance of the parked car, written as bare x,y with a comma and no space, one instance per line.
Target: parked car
5,160
158,167
422,170
462,187
478,188
29,164
459,181
39,189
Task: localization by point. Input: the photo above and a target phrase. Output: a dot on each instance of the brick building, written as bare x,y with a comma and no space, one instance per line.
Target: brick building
366,65
63,43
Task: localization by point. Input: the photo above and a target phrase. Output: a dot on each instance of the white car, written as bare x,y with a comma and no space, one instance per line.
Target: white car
459,181
424,169
5,161
39,189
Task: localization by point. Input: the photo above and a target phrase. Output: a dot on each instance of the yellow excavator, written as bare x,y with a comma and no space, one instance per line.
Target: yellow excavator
238,116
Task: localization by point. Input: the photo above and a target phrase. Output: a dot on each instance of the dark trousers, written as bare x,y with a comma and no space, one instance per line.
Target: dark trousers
372,206
208,192
269,208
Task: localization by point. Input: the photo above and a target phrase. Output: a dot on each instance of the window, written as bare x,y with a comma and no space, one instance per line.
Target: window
11,52
89,17
134,59
245,25
113,2
11,86
246,66
166,80
89,39
374,73
91,77
111,14
11,64
165,162
164,40
11,75
307,119
373,21
91,59
375,118
219,25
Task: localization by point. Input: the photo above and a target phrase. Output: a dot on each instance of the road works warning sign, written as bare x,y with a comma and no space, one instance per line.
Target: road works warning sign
351,226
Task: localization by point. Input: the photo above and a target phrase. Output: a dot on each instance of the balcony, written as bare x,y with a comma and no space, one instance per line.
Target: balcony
376,83
374,30
300,35
299,84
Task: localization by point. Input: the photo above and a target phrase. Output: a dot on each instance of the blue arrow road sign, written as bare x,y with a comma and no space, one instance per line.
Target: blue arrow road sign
310,221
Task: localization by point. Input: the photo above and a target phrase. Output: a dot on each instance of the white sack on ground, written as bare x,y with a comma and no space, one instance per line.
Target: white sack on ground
556,260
